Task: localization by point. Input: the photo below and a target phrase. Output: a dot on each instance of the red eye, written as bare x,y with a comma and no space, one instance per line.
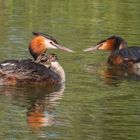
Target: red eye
51,42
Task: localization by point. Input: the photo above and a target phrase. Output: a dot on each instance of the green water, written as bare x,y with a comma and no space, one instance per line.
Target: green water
95,103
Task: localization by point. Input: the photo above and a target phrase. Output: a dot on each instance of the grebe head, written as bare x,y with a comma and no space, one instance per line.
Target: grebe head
110,44
41,42
47,59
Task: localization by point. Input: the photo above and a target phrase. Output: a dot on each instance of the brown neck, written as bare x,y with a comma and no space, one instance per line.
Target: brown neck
119,44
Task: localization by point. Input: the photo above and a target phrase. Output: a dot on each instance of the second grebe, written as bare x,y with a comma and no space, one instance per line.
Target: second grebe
120,54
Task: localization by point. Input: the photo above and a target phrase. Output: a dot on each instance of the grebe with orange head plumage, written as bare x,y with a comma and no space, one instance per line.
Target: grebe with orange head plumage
41,42
44,70
120,55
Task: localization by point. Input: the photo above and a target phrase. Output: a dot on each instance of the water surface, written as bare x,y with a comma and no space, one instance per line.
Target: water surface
96,102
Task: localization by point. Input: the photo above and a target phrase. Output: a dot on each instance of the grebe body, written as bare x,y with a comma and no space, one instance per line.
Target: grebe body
18,72
44,69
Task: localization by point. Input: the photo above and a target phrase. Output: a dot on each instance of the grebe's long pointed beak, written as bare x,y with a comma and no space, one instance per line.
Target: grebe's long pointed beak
92,49
61,47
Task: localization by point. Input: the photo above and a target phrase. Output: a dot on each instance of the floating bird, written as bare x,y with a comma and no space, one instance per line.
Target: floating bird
120,55
44,69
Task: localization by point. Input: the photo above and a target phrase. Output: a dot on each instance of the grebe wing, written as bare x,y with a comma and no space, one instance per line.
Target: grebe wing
32,70
129,54
8,65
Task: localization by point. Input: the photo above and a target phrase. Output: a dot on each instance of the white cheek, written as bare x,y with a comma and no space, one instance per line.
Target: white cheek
5,64
49,45
55,64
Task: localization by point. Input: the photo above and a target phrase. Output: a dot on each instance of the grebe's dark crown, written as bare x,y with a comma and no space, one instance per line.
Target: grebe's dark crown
45,35
117,38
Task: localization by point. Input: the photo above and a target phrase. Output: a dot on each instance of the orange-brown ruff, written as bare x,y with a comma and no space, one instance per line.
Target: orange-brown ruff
43,70
120,54
41,42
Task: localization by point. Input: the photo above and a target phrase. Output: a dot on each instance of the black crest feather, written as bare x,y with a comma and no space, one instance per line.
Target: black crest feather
45,35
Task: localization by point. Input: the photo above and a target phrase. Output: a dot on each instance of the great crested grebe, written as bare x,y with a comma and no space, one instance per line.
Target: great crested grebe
121,55
45,69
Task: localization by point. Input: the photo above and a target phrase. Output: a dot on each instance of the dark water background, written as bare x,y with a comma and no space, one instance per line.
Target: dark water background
96,103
